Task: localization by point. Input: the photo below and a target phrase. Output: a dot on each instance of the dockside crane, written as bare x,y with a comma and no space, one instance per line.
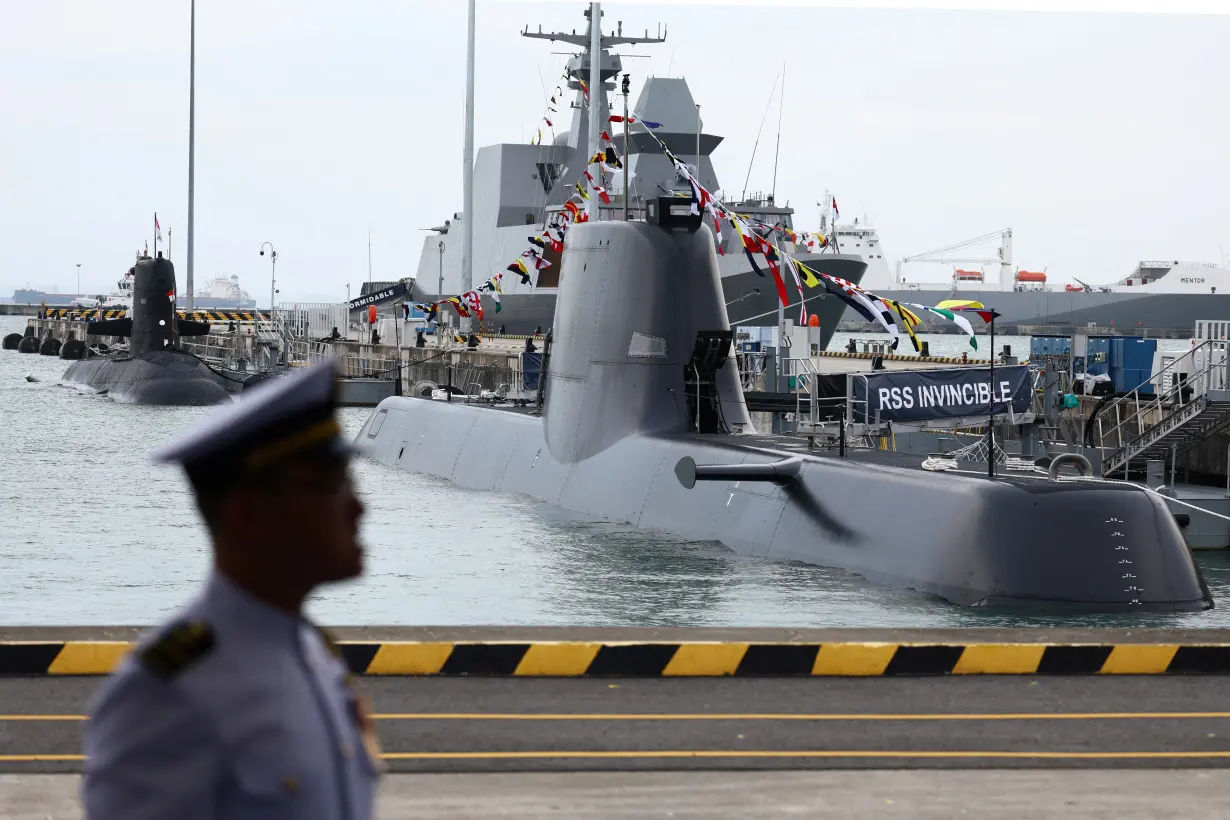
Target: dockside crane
939,257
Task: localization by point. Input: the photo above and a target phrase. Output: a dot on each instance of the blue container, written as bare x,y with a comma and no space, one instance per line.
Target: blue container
1138,353
1049,346
1131,363
1097,356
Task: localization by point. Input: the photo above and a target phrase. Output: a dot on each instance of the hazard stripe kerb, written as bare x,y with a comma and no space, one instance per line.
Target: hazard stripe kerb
698,659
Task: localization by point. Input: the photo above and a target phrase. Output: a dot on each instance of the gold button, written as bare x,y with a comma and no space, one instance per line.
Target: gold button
290,785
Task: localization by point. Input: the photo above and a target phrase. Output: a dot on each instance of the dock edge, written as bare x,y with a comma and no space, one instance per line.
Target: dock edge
689,658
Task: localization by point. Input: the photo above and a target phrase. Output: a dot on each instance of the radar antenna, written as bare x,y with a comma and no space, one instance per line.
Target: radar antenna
582,40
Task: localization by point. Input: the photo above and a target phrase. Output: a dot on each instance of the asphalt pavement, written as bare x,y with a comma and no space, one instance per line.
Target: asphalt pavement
451,725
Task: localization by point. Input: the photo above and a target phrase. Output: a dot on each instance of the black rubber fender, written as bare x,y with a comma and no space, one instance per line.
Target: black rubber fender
28,344
12,341
73,349
49,347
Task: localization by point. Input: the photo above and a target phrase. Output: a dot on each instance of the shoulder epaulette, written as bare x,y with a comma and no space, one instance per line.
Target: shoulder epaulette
182,645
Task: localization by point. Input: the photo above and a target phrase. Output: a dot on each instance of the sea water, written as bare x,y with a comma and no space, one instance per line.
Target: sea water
92,533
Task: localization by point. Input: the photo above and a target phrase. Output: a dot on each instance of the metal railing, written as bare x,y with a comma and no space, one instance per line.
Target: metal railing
362,362
752,367
1132,422
807,384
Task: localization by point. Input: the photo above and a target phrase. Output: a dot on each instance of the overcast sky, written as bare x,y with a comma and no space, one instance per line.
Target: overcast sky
1099,138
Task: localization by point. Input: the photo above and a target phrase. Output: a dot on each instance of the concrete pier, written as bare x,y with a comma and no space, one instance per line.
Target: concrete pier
237,346
591,653
1105,740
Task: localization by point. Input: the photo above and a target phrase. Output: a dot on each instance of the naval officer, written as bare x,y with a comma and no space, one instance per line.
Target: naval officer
240,707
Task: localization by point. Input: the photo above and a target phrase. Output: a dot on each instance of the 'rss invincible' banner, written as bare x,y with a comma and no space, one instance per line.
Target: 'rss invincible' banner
920,395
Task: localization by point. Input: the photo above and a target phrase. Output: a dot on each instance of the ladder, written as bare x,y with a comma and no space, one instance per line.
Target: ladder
1181,413
1184,427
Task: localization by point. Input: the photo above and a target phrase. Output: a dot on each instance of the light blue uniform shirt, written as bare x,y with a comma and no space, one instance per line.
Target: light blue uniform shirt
263,725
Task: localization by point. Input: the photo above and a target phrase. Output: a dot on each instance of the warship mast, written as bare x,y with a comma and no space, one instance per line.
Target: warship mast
597,88
596,72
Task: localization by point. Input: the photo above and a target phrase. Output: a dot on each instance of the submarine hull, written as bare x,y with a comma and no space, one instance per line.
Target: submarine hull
644,422
160,377
1036,544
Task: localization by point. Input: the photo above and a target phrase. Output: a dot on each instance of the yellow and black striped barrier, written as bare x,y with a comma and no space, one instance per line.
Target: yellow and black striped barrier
688,659
223,316
893,357
84,313
94,314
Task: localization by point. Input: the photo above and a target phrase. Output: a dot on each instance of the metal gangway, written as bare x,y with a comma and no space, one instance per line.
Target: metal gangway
1183,404
258,346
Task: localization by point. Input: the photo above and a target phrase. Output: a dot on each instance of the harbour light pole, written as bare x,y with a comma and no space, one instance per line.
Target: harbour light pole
78,278
467,177
191,141
273,275
439,296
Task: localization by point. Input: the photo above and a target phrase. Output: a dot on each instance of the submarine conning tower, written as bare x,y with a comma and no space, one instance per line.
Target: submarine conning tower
153,305
644,348
152,324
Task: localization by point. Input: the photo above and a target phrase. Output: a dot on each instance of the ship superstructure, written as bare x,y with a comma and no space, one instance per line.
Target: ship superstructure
518,188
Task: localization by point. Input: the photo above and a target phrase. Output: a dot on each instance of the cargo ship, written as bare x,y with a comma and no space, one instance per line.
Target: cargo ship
222,293
1156,298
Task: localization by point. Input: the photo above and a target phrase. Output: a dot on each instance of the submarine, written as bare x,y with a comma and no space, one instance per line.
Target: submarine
644,422
153,370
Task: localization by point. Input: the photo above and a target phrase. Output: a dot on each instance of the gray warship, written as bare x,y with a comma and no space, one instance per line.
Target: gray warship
153,370
644,422
519,187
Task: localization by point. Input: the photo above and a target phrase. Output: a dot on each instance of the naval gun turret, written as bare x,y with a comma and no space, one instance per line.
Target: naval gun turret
153,370
644,422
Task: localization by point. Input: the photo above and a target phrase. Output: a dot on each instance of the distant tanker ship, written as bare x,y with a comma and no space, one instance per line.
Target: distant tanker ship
221,293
